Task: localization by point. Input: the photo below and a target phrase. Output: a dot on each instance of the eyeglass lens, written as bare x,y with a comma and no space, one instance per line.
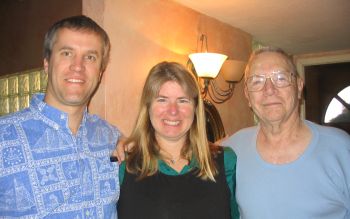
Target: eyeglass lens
257,82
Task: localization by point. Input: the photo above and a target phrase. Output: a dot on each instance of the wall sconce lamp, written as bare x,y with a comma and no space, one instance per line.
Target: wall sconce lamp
207,66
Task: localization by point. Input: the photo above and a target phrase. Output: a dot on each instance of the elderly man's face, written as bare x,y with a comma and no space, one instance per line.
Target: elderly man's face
274,104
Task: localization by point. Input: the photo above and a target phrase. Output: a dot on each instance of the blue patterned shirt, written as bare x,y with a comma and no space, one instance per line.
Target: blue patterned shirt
47,172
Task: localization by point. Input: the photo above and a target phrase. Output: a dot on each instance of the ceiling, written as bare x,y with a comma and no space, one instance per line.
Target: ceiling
297,26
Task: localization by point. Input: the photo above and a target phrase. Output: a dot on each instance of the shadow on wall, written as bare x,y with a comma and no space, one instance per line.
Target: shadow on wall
214,126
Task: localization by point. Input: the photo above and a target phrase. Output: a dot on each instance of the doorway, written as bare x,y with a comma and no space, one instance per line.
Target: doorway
327,98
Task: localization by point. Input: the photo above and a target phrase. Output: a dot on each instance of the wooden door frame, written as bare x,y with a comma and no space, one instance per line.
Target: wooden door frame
304,60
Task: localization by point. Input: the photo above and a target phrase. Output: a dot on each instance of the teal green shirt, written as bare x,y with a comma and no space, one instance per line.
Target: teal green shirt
230,160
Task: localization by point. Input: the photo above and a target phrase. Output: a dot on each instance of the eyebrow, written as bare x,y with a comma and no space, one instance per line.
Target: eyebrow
93,52
71,49
66,48
182,97
161,96
274,71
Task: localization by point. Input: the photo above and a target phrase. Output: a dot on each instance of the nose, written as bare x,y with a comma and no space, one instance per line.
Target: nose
173,108
269,87
77,64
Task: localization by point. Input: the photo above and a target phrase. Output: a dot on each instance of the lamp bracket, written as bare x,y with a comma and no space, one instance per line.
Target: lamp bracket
203,39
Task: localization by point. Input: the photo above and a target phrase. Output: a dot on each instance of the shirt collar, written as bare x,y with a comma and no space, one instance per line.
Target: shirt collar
165,168
51,114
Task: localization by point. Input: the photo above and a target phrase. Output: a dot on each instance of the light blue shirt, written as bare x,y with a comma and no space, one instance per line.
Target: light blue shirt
47,172
316,185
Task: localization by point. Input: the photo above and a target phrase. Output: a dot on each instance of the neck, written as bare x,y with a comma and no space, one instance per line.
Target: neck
176,162
171,152
281,127
74,121
283,146
169,158
75,112
172,148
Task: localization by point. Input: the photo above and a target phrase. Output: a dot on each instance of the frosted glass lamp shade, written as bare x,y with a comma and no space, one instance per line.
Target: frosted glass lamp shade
207,65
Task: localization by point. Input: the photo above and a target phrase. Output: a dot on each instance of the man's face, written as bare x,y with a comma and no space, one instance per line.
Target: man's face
273,104
74,68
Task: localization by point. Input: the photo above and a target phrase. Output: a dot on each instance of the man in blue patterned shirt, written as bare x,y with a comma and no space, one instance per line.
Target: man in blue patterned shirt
54,155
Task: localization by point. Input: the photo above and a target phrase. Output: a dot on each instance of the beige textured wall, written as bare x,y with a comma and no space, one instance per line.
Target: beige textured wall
145,32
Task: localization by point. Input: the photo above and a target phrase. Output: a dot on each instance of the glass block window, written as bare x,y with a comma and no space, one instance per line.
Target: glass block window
17,89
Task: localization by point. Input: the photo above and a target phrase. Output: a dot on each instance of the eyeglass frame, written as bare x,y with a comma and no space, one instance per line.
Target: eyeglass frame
290,74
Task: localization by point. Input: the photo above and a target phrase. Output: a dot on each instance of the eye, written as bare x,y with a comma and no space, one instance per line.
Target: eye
160,99
281,77
184,100
256,80
91,57
66,53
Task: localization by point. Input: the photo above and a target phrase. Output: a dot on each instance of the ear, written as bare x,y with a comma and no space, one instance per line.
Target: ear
100,77
300,86
246,94
46,65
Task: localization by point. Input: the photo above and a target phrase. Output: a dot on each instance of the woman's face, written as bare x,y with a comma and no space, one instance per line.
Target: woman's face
171,113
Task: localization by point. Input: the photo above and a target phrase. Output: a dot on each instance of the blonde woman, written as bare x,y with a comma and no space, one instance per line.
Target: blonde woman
172,171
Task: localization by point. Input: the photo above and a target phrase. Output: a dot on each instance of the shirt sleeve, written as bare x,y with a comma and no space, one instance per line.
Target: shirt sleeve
230,160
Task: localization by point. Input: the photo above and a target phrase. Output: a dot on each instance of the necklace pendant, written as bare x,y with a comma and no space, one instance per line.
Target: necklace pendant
172,161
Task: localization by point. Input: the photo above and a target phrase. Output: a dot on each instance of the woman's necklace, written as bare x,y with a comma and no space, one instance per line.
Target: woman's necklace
172,160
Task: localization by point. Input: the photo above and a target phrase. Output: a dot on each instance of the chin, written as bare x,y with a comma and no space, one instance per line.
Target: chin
272,118
76,101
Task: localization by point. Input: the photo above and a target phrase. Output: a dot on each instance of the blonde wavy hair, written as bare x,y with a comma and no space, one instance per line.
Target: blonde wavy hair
142,159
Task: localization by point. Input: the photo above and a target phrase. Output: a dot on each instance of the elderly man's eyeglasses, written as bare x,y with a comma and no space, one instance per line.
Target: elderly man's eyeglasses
279,79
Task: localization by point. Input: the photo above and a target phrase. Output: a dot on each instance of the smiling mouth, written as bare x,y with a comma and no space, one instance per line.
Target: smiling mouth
75,80
170,122
271,104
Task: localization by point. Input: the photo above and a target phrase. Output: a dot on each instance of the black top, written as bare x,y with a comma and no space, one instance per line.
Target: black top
175,197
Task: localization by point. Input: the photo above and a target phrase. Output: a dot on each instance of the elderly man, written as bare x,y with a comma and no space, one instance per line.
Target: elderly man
55,155
287,167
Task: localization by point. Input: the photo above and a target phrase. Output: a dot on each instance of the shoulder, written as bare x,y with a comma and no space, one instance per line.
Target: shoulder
16,118
9,127
240,136
24,114
329,134
229,153
101,132
331,145
96,121
220,153
230,158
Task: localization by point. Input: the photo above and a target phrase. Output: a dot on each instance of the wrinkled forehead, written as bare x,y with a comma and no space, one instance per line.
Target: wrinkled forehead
267,62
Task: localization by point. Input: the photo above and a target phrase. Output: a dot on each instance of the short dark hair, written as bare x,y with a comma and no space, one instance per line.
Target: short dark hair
79,22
